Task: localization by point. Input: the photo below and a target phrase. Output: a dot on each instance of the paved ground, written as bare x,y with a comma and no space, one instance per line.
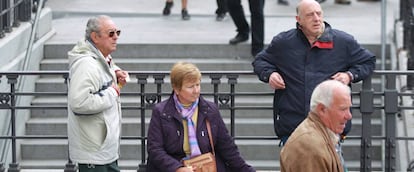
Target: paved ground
141,20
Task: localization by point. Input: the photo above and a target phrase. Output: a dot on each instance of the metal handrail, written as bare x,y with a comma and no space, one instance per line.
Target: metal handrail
25,16
32,36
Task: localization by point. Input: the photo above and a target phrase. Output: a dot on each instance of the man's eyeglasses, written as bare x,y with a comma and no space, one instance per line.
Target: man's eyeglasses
112,33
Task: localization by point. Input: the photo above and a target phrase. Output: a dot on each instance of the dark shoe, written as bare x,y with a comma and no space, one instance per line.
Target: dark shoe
220,17
320,1
283,2
343,2
239,38
185,15
167,8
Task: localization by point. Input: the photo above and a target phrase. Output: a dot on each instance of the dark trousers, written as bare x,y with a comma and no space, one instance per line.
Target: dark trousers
112,167
256,19
221,7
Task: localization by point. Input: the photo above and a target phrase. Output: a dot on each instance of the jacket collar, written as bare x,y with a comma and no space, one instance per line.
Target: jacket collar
327,134
325,41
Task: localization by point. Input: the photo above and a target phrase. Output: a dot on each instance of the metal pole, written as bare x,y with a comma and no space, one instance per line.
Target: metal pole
13,166
383,39
367,109
390,109
2,24
142,80
69,166
32,37
409,39
215,80
232,81
25,10
2,168
7,17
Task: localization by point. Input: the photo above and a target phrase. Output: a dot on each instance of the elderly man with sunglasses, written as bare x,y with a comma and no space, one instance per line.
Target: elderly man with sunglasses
94,109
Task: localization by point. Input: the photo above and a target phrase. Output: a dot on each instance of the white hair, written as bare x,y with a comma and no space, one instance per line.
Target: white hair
323,93
94,25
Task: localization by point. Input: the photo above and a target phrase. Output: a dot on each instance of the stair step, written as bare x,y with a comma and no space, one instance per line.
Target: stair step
132,126
263,155
180,50
132,165
245,83
161,65
125,165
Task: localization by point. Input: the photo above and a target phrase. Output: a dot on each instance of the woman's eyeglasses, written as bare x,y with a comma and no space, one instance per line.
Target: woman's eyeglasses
112,33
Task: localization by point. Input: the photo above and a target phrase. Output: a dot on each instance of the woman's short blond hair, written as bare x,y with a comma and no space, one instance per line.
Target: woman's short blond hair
183,71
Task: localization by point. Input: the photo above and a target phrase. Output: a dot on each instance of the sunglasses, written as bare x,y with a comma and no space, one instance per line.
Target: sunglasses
112,33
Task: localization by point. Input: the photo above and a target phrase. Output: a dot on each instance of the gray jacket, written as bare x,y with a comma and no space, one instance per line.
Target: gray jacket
94,109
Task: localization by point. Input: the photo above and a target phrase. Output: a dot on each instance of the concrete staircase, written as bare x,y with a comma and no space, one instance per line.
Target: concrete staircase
263,155
150,42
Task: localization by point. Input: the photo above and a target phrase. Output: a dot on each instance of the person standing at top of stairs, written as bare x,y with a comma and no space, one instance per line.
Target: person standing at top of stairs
299,59
184,12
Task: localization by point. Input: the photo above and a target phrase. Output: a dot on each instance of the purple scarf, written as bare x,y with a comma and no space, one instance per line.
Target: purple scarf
187,114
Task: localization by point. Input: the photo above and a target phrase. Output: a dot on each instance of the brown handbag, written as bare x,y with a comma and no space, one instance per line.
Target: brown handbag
205,162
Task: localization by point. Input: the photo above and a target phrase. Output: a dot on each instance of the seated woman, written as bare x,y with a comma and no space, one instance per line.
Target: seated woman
178,130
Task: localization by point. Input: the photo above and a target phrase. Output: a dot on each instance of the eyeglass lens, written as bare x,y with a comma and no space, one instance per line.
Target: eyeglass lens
112,33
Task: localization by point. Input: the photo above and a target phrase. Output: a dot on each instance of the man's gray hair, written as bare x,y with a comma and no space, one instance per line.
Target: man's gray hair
323,93
94,25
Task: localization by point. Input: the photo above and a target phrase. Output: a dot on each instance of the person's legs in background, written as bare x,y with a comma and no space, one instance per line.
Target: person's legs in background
283,2
257,22
167,9
221,9
184,11
237,14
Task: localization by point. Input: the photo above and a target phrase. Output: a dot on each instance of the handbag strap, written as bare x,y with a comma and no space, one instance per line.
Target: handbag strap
209,136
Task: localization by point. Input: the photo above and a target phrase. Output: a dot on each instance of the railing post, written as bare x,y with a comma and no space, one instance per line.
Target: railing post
408,25
25,10
390,108
12,80
2,168
159,80
405,19
69,166
16,20
215,80
7,17
2,24
367,108
232,81
142,81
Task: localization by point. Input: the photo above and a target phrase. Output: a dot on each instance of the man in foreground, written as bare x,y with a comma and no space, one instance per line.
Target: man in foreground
314,145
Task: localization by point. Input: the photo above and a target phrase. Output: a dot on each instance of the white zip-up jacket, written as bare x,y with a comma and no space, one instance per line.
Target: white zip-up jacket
94,109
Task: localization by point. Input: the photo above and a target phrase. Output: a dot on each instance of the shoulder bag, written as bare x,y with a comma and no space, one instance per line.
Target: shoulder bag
205,162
